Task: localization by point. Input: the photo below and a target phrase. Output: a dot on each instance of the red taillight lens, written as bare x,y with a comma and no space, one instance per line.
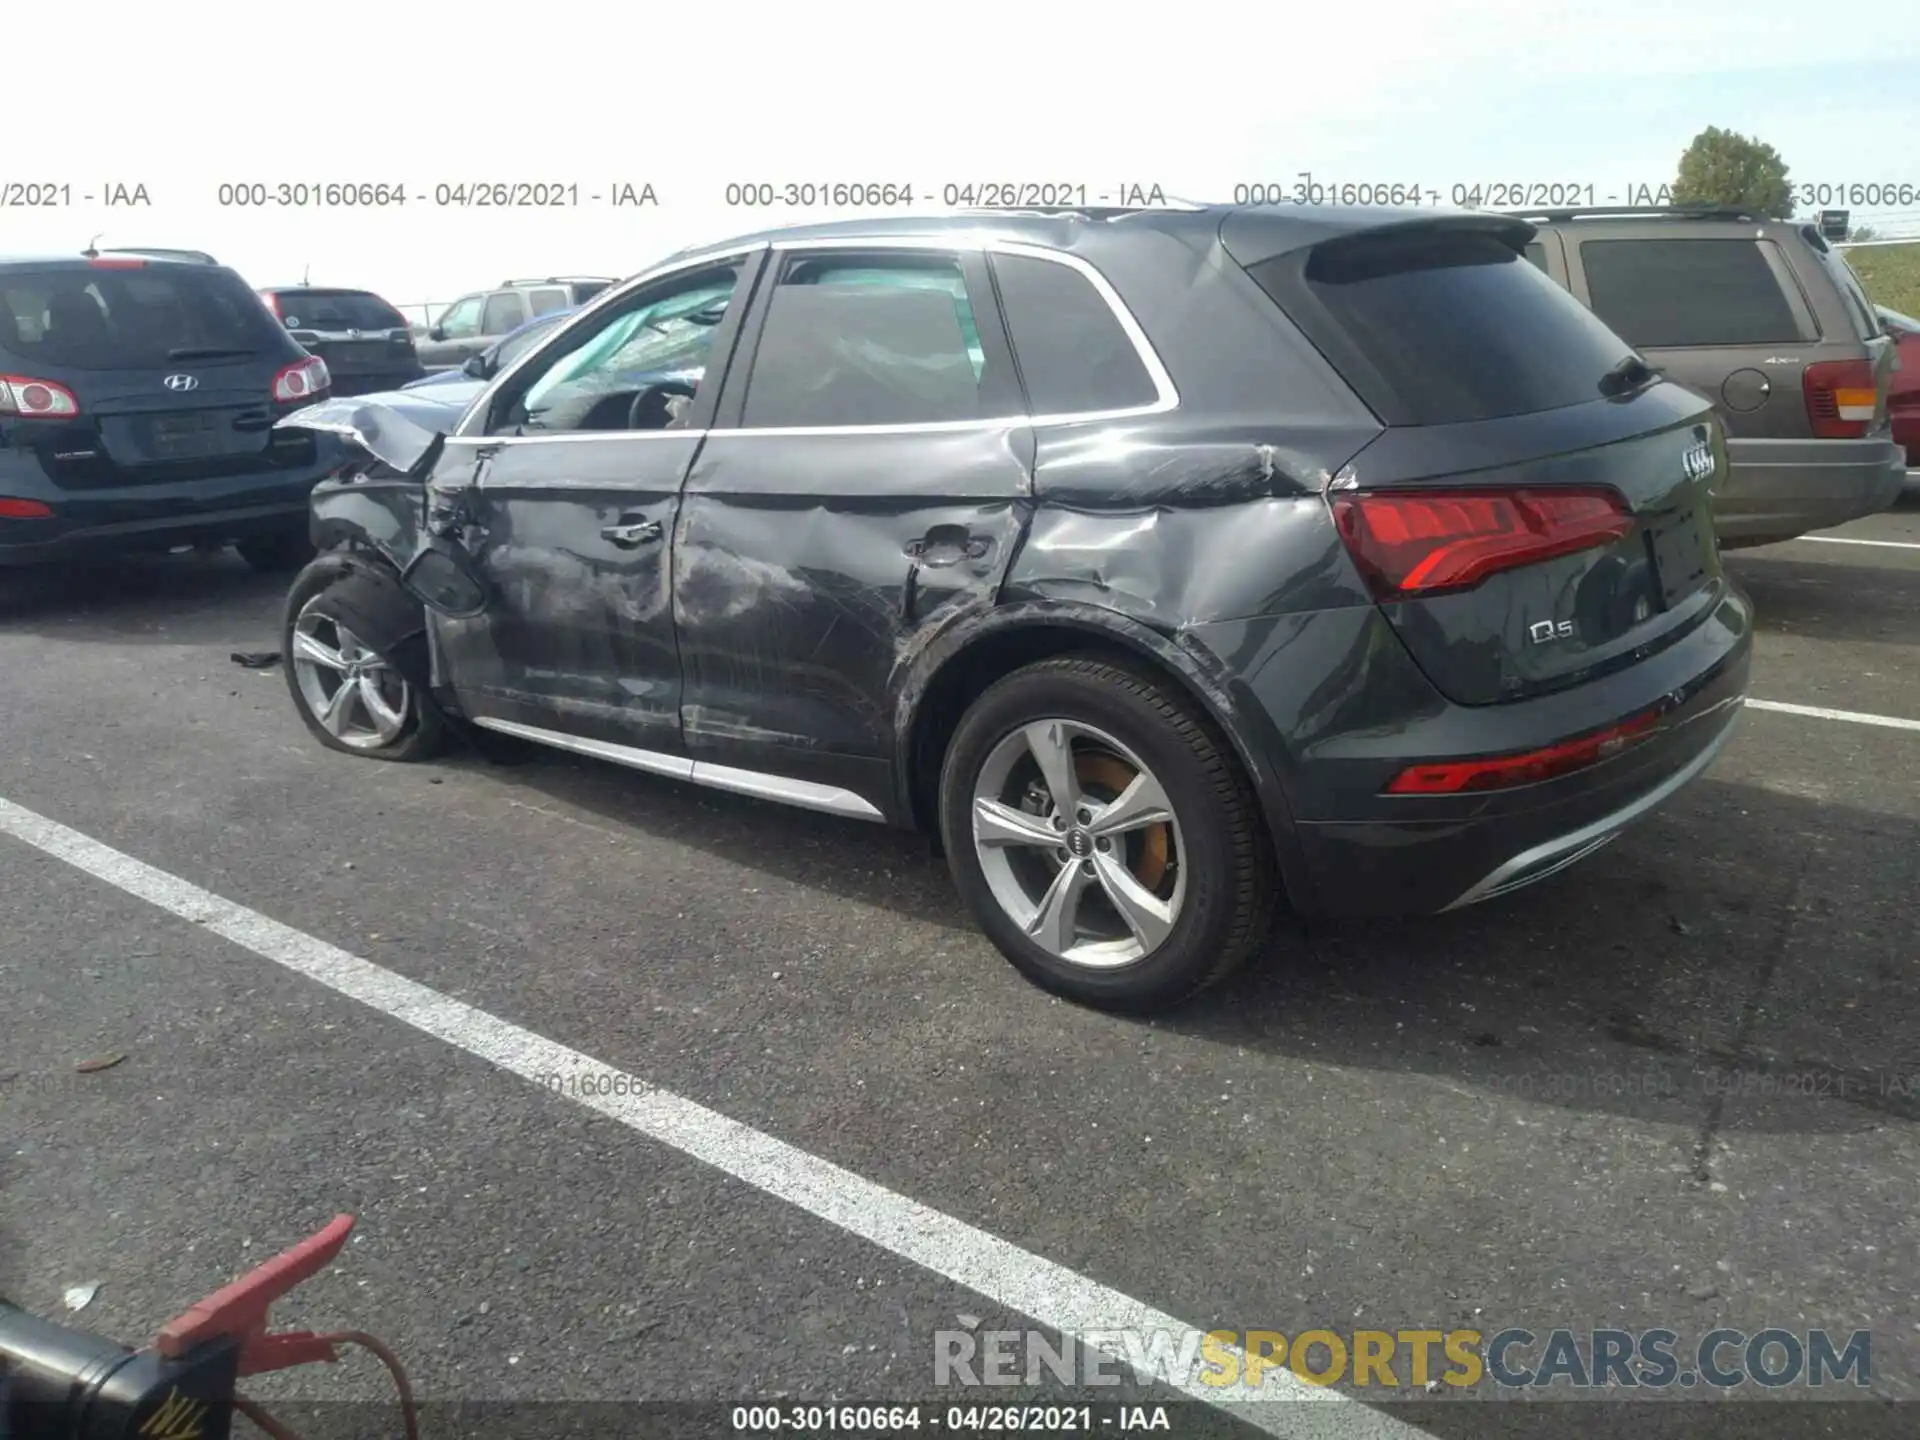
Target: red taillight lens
302,380
1424,542
23,510
1843,398
1502,772
26,398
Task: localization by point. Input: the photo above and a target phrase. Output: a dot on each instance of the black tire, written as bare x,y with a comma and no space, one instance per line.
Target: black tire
424,731
277,551
1232,888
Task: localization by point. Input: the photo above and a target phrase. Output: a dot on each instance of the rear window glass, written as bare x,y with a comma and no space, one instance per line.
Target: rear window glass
112,319
1072,353
1688,292
337,310
1866,321
1441,329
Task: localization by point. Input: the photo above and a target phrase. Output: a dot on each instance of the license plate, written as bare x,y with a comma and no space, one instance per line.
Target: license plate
1681,557
176,434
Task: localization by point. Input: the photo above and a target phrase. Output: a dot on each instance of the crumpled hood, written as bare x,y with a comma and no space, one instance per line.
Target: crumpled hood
394,427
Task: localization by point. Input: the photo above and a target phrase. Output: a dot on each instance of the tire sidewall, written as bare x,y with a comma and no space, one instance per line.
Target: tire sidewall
424,729
1191,954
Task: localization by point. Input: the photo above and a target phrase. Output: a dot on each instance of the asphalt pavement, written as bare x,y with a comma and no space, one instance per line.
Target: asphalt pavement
1676,1086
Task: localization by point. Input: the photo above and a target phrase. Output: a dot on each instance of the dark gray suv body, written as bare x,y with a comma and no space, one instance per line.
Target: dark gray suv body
1170,566
1767,321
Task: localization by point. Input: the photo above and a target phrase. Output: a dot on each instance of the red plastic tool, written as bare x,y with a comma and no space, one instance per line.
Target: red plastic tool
240,1309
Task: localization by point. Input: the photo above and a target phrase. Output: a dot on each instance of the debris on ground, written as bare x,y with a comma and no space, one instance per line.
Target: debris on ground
256,659
105,1062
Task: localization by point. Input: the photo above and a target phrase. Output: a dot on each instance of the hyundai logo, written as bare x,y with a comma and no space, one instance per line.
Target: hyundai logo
181,382
1697,461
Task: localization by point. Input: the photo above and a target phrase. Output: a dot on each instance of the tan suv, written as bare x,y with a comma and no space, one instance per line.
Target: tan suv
474,323
1768,322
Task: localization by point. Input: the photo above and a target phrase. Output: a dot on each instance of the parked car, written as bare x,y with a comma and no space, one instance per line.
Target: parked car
138,397
1334,559
1903,397
367,344
474,323
469,379
1768,321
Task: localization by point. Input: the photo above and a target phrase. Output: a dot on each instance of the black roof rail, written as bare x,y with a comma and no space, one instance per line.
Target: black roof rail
1681,212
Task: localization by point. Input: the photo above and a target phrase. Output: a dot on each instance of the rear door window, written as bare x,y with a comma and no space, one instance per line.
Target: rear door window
136,318
880,340
1073,354
1673,293
1435,327
504,312
334,310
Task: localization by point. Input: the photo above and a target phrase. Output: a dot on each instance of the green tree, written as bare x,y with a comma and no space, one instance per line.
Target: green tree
1723,168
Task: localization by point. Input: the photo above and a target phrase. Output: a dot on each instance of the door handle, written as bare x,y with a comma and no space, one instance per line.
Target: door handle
631,533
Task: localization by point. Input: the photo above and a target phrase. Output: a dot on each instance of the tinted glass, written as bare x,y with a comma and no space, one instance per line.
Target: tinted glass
1072,352
661,338
1537,253
109,319
545,302
522,340
585,290
337,310
462,318
880,342
1687,292
1866,322
505,312
1437,329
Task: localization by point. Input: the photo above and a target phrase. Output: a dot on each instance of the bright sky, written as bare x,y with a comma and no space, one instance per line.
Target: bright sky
1196,99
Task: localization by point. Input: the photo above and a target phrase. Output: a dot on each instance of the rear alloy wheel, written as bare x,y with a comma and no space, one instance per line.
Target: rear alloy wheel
1103,836
352,698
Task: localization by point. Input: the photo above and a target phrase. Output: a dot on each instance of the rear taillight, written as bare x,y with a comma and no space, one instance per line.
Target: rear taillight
302,380
1843,398
22,509
1502,772
25,398
1425,542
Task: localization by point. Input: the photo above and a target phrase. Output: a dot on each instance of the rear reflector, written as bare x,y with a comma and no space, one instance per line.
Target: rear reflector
23,510
1843,398
26,398
1425,542
1502,772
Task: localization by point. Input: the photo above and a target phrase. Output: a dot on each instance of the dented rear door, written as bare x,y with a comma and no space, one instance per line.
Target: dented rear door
864,487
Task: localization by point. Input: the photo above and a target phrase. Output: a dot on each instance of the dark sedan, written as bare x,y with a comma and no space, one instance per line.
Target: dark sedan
1173,567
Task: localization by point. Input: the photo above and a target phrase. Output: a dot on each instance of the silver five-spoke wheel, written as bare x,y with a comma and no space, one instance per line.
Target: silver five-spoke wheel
1079,843
355,694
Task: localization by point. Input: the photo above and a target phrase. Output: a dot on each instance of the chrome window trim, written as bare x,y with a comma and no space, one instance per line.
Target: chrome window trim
1166,394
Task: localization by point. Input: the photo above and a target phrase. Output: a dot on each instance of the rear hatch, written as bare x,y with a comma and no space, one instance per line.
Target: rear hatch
136,373
367,343
1537,510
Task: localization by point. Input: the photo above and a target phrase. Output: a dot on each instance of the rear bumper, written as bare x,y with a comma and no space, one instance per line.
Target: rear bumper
1777,489
1420,855
146,517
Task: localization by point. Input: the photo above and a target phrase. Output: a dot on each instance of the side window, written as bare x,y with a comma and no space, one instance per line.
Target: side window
545,302
1537,253
505,311
462,320
512,348
634,369
1655,293
880,339
1073,354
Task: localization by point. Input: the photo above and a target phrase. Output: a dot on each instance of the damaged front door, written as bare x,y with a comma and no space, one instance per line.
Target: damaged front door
862,489
586,446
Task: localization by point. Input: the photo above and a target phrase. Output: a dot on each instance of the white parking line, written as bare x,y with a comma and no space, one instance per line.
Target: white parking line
1845,540
1016,1279
1820,712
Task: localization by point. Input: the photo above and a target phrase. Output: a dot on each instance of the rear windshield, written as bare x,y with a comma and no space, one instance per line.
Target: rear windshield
113,319
337,310
1437,328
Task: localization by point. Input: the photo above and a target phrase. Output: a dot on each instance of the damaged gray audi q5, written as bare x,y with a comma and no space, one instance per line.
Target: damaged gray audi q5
1174,567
